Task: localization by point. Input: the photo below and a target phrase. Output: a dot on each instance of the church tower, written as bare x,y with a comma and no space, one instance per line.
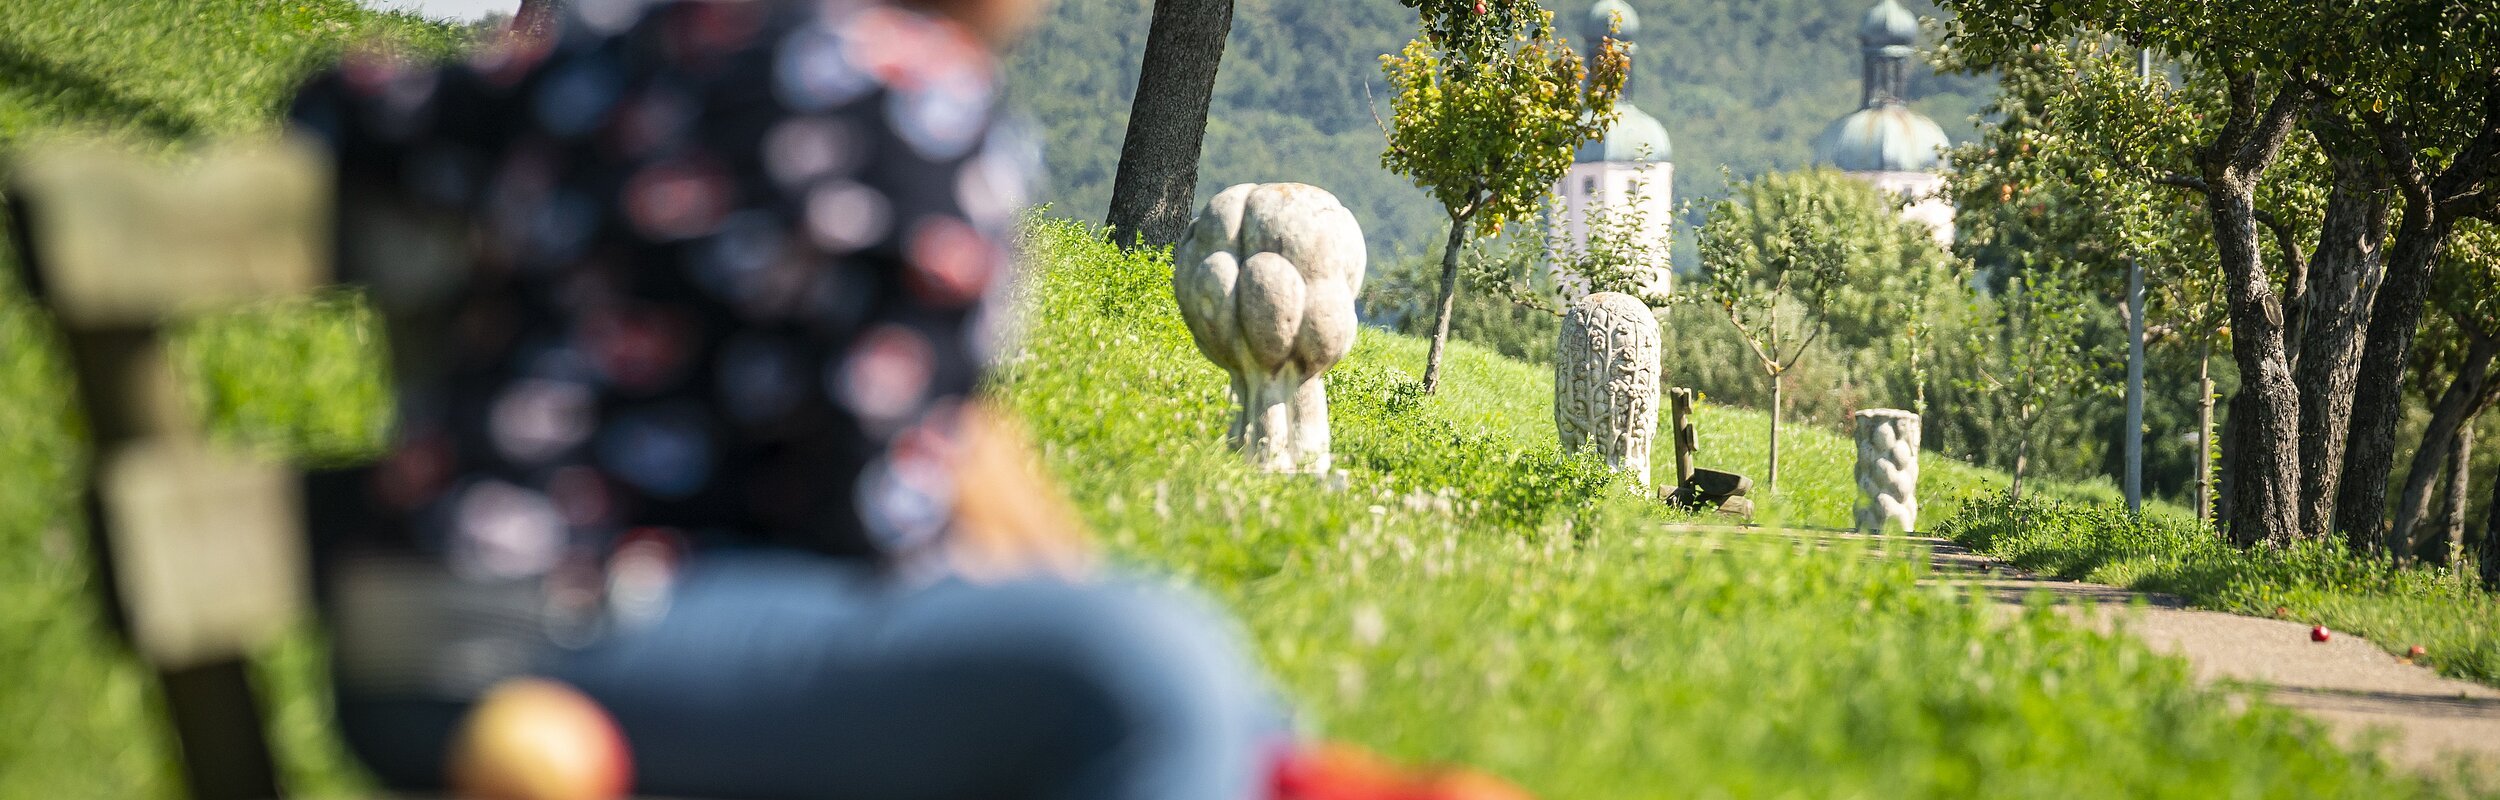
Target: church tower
1626,171
1884,142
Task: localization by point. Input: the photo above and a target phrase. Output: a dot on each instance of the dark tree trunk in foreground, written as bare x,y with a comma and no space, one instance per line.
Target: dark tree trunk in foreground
1167,123
2229,474
2266,483
2337,311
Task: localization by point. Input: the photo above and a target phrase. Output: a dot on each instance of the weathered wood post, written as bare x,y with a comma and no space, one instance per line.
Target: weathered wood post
1687,441
199,548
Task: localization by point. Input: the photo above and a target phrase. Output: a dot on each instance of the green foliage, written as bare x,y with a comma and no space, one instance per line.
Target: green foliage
1400,296
1829,246
1485,116
2042,359
1540,268
1593,654
1745,85
1767,254
2075,179
1780,254
2467,272
163,70
2443,610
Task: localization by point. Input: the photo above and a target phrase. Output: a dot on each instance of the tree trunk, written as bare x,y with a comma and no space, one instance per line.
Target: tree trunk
2487,554
2451,538
2022,460
2336,310
2450,415
1771,486
1449,297
1167,122
2228,475
2205,433
2266,489
2378,396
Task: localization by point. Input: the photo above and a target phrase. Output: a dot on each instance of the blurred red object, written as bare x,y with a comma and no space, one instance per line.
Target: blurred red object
1345,772
533,739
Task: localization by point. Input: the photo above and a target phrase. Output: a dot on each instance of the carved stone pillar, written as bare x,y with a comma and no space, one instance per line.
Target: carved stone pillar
1887,470
1606,380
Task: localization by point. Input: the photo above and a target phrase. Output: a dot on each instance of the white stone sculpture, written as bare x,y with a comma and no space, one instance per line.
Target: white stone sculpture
1887,470
1606,380
1266,278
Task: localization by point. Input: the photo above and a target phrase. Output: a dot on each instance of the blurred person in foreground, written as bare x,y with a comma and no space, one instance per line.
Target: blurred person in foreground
690,489
687,438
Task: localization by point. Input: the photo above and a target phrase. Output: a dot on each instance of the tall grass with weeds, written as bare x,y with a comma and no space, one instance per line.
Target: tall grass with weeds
1439,602
2444,610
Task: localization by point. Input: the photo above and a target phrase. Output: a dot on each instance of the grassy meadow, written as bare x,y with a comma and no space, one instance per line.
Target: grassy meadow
1443,605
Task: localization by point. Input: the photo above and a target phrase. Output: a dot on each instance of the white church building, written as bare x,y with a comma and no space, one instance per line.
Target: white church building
1628,174
1884,142
1625,177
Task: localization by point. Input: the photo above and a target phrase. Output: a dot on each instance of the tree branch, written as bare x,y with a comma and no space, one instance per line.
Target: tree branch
1747,334
2468,178
2283,234
2395,147
2274,127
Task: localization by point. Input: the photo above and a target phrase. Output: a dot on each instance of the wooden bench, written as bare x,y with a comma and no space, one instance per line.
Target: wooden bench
199,546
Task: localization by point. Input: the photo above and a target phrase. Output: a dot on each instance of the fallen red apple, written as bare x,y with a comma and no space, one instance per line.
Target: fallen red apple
2318,634
2415,651
2281,612
533,739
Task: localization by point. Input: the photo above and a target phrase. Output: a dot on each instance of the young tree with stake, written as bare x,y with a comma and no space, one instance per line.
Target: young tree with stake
1776,272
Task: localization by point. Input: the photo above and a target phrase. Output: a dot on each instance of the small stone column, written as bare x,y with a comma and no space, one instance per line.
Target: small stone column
1606,380
1887,470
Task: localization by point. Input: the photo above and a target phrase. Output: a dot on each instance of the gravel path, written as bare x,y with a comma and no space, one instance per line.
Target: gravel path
2365,695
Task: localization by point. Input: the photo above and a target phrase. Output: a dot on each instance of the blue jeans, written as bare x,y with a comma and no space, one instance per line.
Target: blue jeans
778,674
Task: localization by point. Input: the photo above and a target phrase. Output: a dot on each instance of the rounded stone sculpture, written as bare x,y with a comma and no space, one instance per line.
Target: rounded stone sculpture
1887,470
1266,278
1606,380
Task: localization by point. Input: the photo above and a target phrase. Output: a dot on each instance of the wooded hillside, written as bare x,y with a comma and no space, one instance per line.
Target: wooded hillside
1745,85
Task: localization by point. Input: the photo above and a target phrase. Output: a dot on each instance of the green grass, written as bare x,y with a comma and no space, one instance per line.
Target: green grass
1436,607
1468,594
2445,611
153,70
